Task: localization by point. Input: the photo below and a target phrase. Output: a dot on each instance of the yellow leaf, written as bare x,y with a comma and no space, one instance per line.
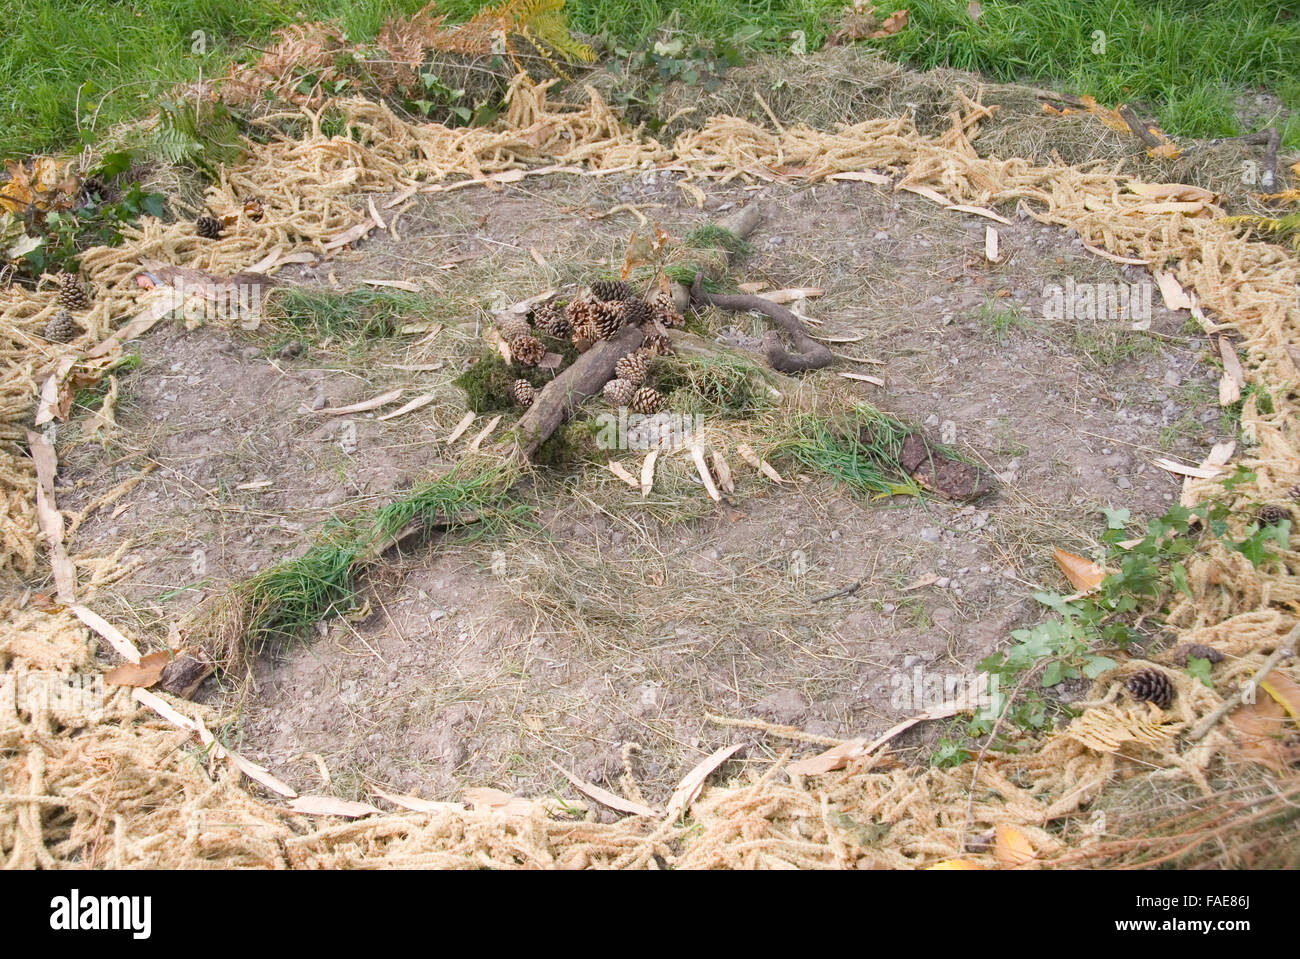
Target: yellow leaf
1284,689
1084,575
956,864
1011,847
1259,733
1166,151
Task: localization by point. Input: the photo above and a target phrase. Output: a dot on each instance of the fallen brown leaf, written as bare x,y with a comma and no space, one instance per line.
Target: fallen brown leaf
144,673
1084,575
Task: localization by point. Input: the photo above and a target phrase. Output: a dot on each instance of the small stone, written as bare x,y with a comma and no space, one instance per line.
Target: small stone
1123,482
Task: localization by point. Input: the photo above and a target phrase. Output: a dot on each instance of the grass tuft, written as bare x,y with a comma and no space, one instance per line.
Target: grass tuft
283,602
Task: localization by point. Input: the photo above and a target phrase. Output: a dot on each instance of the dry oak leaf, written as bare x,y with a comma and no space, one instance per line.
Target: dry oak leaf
144,673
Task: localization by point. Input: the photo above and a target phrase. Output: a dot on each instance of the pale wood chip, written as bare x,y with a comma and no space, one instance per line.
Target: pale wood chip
474,443
365,405
406,285
461,427
604,796
723,472
125,648
619,470
865,378
416,804
980,211
689,789
697,454
648,473
414,404
329,806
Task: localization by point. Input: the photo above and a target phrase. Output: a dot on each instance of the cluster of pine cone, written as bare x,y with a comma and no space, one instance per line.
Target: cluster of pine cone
599,312
62,328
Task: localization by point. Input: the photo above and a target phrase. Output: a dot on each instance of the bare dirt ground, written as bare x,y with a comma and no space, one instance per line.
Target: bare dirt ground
615,621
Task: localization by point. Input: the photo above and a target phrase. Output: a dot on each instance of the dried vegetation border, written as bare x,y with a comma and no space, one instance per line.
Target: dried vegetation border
147,785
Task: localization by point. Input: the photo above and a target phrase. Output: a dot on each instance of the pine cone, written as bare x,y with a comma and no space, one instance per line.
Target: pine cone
513,326
524,392
552,321
665,310
1186,651
62,328
633,367
527,350
579,309
1294,492
619,392
72,295
1152,686
582,342
636,312
656,343
612,290
208,227
648,400
1272,514
608,317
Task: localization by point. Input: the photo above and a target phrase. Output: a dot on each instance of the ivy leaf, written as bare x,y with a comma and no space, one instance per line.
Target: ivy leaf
1178,573
1117,518
1199,668
1097,665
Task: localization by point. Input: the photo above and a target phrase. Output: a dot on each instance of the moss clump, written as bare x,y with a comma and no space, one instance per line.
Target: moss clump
572,444
488,383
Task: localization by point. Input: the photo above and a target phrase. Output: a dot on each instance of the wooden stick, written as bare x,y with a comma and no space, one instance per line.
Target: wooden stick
587,375
1284,649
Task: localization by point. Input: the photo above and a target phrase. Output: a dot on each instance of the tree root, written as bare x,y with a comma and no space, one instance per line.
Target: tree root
808,354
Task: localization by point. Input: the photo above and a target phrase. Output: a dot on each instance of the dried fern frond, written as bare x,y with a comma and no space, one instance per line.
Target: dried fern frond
1285,229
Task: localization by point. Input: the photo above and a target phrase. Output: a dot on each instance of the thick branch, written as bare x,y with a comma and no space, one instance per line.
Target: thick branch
585,377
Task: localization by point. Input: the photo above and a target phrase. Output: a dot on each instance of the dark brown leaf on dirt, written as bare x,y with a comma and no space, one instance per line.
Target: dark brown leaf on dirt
183,675
936,471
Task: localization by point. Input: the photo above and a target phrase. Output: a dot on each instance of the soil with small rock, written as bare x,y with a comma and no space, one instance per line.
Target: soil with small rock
472,667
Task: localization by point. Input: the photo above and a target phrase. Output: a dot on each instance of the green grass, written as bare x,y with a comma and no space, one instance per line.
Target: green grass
860,450
352,315
720,386
61,58
284,601
1185,60
1002,320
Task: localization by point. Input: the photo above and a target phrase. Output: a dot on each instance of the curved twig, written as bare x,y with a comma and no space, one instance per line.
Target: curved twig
808,354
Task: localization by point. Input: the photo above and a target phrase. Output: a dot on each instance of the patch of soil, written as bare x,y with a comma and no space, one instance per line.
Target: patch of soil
482,661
